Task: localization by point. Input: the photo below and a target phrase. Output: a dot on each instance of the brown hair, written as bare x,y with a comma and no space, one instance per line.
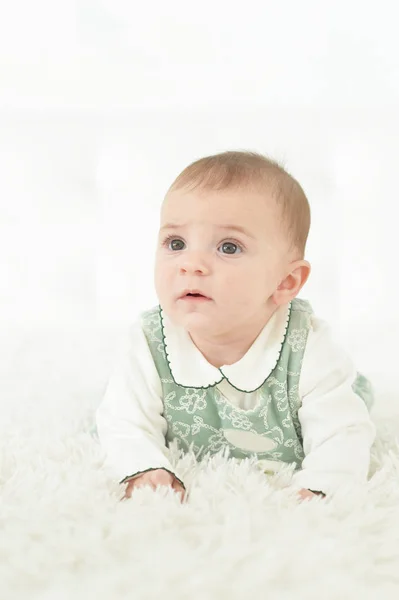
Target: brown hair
234,168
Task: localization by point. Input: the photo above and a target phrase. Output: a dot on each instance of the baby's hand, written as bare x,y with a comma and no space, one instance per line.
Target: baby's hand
308,495
154,479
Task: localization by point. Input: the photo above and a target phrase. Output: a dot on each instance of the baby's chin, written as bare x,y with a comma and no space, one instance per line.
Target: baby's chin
195,320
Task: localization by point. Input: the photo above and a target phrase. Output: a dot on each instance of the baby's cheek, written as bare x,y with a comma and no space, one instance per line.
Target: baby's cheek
244,284
162,278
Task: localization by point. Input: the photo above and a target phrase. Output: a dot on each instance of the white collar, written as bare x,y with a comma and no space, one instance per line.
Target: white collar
190,368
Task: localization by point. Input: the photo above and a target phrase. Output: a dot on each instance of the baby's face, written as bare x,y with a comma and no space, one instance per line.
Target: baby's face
228,249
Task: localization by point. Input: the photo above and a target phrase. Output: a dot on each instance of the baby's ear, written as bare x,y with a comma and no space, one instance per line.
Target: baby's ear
292,284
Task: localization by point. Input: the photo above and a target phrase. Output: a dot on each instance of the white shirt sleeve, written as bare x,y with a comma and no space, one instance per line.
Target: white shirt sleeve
336,426
130,425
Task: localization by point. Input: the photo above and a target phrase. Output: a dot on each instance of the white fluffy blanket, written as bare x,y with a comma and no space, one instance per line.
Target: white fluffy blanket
65,534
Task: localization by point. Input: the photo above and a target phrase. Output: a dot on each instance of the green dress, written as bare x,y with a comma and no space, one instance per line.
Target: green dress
203,420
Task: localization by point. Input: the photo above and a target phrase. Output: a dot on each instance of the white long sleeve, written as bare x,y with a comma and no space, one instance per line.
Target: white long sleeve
130,425
336,426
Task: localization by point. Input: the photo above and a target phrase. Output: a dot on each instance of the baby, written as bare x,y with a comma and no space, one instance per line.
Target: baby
231,358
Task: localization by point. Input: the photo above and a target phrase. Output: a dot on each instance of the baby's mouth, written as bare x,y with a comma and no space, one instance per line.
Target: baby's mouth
193,296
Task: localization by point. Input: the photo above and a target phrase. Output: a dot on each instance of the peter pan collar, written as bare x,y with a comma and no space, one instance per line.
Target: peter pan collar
190,368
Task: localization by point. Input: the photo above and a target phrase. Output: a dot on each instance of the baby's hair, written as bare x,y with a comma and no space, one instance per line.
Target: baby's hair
238,169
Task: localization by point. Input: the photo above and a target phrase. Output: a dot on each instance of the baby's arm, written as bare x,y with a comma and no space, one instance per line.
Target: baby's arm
336,426
130,424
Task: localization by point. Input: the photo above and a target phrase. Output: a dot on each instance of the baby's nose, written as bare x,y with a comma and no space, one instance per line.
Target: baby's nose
194,263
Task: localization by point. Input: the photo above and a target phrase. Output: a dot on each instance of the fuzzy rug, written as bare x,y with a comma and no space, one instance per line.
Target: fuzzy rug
65,534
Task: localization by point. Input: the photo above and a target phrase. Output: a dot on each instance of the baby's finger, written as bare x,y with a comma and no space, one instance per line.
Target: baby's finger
128,491
179,489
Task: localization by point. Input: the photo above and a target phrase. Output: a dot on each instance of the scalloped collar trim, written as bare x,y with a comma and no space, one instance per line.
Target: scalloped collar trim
190,368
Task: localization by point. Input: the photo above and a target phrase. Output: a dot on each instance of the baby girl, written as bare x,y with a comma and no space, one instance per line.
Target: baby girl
231,358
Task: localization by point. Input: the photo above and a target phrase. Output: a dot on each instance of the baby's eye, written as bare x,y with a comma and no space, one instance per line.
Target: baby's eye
229,248
176,244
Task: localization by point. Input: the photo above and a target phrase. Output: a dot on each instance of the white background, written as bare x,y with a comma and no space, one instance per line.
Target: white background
103,102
